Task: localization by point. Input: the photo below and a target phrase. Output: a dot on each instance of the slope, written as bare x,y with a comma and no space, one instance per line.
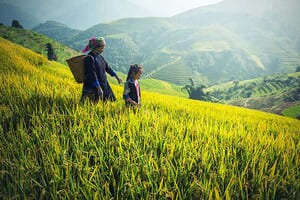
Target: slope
53,147
157,42
269,93
36,42
270,28
55,30
212,45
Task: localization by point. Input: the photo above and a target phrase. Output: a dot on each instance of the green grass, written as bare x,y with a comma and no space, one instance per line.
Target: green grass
36,42
273,93
162,87
53,147
262,86
177,72
293,112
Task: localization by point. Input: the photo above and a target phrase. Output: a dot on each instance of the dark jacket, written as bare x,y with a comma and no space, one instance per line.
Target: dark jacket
95,76
130,91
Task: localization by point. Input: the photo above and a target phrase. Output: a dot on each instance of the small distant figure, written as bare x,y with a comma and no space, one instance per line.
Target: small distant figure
96,86
50,52
15,24
132,91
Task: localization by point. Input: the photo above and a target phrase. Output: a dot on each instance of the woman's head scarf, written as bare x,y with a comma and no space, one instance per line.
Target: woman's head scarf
94,42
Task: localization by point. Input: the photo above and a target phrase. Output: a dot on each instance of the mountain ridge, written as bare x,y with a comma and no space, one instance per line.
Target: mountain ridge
210,47
78,14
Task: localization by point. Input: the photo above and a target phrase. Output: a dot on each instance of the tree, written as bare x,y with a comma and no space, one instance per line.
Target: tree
15,23
196,92
298,69
51,54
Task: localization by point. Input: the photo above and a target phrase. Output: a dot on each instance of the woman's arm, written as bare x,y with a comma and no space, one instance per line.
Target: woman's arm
111,72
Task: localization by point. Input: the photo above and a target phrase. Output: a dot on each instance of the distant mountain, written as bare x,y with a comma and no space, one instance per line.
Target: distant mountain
79,14
285,10
131,40
231,40
270,28
55,30
281,17
92,12
9,12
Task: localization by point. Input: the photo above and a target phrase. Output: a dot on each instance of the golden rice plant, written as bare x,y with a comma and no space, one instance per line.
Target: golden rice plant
52,146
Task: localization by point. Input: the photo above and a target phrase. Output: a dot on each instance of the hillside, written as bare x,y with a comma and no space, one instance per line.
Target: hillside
212,44
169,55
54,147
270,28
270,93
280,16
36,42
55,30
277,103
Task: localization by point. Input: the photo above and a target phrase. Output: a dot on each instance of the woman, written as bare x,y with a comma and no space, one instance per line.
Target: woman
96,86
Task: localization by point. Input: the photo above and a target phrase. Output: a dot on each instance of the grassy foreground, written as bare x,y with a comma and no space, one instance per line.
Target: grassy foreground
172,148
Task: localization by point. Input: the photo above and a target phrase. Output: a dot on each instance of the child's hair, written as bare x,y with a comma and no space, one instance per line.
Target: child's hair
134,69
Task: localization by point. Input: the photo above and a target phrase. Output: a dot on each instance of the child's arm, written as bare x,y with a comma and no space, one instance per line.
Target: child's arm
131,101
126,95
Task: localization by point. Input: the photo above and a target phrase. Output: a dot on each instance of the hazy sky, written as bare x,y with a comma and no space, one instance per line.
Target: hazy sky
171,7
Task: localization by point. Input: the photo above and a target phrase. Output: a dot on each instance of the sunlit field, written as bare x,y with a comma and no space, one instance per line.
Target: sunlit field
53,147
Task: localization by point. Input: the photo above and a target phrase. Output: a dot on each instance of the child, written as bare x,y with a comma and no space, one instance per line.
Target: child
132,92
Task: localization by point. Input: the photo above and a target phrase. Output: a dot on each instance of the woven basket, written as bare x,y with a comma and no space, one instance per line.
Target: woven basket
76,65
